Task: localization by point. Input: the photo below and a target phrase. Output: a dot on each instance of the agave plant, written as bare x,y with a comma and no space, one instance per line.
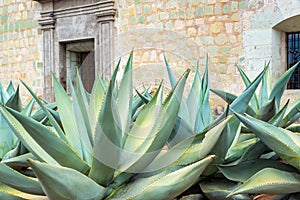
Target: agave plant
264,144
96,149
195,112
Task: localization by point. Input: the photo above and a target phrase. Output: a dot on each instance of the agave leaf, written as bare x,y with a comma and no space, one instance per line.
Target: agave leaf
83,124
277,119
65,183
294,128
67,116
10,89
166,185
270,181
265,87
96,100
14,101
240,103
190,150
267,111
82,104
199,150
291,115
47,113
19,161
124,96
108,140
8,196
193,98
280,85
144,129
183,110
239,149
204,117
26,139
193,197
46,139
229,98
18,181
28,108
254,101
4,94
285,143
162,126
251,153
181,131
218,189
241,172
229,133
172,77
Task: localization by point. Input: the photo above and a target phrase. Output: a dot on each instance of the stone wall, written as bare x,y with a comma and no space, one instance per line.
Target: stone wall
214,27
20,43
230,32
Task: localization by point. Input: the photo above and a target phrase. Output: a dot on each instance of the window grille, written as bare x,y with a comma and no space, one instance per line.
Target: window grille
293,56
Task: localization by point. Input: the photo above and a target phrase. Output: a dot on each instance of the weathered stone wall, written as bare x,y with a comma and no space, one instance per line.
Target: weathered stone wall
215,27
230,31
20,43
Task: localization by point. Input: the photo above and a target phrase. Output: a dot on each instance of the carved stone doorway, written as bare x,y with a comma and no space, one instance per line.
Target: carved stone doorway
67,22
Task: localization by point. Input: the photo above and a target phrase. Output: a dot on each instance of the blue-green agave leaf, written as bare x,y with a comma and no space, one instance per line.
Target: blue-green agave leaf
172,77
277,119
67,116
285,143
218,189
280,85
46,112
265,87
66,183
267,111
124,97
49,142
204,117
241,172
165,185
270,181
16,180
14,101
10,88
107,141
254,101
292,114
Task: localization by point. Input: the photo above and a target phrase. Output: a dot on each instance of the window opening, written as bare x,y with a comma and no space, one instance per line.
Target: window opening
293,56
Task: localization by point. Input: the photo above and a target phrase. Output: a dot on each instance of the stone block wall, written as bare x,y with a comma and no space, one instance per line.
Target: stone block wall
213,27
20,44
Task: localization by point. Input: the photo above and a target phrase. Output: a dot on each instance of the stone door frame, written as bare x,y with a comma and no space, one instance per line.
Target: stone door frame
100,15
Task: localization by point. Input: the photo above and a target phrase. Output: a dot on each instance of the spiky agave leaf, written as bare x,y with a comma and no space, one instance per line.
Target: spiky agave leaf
218,189
154,138
190,150
108,141
280,85
67,116
254,101
285,143
65,183
16,180
241,172
55,149
270,181
124,96
166,185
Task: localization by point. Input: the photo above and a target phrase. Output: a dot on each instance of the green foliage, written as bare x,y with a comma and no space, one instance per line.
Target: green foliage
112,144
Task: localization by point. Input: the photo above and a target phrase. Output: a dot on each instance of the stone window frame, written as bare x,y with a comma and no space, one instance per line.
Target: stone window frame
288,25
